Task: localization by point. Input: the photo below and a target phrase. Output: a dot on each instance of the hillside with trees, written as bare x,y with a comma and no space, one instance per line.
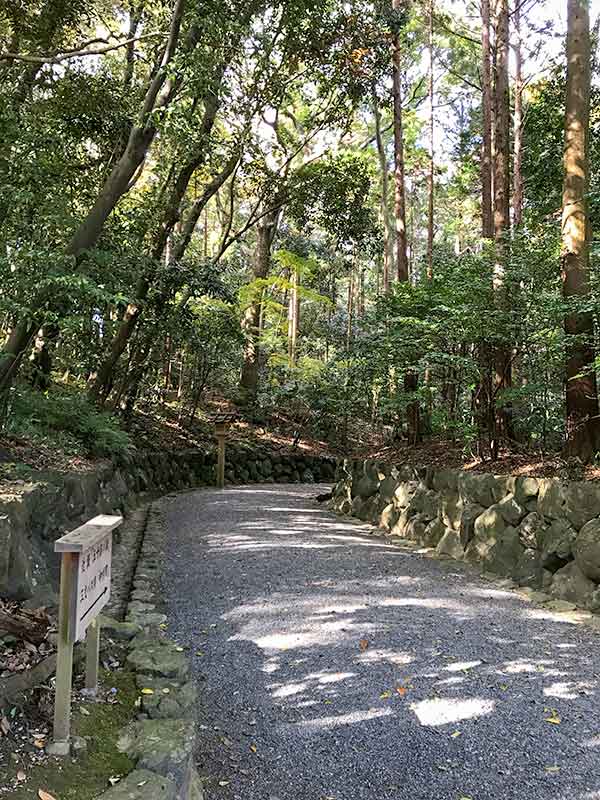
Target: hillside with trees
368,226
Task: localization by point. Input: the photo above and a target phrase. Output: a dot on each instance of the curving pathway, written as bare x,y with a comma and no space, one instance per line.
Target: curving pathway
336,666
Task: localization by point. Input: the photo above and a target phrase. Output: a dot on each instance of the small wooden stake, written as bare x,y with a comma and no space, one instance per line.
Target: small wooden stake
221,461
64,659
92,656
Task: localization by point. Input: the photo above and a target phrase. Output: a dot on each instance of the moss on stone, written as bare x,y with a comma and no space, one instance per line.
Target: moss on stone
87,776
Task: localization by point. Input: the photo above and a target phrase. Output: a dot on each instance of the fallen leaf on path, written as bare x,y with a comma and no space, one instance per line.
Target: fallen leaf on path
401,690
363,644
553,718
455,735
385,695
43,795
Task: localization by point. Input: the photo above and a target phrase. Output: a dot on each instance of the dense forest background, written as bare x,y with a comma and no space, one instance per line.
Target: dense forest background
362,218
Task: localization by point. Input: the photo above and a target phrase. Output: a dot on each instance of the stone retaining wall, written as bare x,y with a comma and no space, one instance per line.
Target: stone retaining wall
33,514
542,533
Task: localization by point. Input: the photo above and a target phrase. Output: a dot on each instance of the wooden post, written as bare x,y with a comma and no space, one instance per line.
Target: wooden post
92,656
222,423
64,659
221,461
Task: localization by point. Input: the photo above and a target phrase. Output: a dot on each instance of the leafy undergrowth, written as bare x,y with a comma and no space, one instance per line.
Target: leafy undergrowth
27,777
60,431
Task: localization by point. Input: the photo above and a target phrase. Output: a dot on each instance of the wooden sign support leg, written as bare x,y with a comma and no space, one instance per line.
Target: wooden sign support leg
64,660
92,656
221,463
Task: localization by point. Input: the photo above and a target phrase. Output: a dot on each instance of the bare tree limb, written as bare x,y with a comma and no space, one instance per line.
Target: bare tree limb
58,58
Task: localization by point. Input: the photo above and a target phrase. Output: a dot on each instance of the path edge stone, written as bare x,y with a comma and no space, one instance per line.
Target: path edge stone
162,740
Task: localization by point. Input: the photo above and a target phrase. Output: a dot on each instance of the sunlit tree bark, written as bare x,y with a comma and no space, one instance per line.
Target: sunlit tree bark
581,392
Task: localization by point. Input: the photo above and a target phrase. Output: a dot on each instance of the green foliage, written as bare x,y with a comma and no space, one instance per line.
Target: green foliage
332,194
67,419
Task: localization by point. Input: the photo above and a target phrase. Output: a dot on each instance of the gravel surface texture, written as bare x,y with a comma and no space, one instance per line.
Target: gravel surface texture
335,665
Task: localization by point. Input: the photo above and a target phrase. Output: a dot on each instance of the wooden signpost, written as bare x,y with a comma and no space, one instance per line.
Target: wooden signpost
222,423
84,591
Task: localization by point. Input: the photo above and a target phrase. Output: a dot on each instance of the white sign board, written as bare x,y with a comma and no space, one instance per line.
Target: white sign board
92,586
91,549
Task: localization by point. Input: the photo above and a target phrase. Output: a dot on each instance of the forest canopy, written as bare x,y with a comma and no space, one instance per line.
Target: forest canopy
378,216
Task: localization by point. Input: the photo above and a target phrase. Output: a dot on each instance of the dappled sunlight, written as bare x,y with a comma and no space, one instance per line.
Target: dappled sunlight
345,719
288,689
425,602
569,618
495,594
454,681
312,680
320,628
521,665
378,654
568,690
593,741
462,666
439,711
341,609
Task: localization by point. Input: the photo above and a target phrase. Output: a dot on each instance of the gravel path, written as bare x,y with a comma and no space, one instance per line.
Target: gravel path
336,666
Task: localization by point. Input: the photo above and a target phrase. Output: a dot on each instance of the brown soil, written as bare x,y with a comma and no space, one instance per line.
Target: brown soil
157,428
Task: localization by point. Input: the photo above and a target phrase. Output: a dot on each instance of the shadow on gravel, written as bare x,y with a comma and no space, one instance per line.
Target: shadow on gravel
341,667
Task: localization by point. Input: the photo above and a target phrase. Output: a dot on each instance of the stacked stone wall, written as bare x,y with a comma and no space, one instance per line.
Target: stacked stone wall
33,514
542,533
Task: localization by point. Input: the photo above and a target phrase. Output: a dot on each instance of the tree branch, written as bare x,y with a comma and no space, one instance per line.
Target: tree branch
81,52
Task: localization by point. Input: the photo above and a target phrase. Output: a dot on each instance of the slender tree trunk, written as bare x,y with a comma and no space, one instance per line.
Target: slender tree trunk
293,318
582,430
518,123
402,265
431,173
399,190
265,233
487,218
388,234
501,186
158,95
102,382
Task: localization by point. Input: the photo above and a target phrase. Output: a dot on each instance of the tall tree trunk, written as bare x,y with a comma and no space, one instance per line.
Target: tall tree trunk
431,173
293,318
388,234
158,95
501,185
399,190
402,266
101,384
487,217
581,392
265,233
518,122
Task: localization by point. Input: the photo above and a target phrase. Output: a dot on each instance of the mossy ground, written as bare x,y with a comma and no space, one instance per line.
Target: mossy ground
87,775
